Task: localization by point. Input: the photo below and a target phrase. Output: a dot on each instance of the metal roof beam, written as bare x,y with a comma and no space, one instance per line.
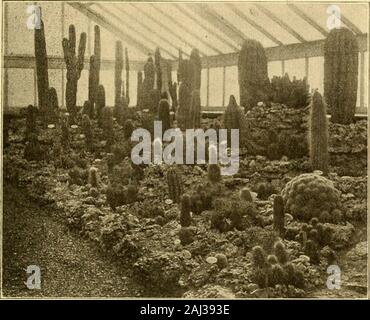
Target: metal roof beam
255,25
281,23
102,21
350,24
306,18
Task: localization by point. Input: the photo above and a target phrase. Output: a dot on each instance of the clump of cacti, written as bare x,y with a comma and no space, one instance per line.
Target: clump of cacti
185,215
94,71
341,74
252,74
319,154
264,190
88,132
164,114
118,195
278,214
214,172
174,185
93,178
42,69
74,66
311,195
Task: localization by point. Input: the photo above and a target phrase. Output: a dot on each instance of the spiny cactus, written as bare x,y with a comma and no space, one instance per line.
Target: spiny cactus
118,67
158,69
139,92
195,112
41,69
214,173
174,185
278,212
93,179
127,67
164,114
184,105
148,84
94,71
341,74
259,258
252,72
172,88
53,106
196,66
88,132
185,216
221,260
319,154
107,124
186,235
245,195
277,275
74,65
280,252
100,102
272,259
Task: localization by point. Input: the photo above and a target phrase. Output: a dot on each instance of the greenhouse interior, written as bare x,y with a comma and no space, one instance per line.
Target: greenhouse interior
275,93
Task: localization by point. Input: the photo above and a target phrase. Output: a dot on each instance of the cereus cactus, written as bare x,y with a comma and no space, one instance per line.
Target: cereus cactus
128,128
53,105
64,126
214,173
93,179
245,195
184,105
318,134
31,125
74,65
341,74
127,68
164,114
252,73
278,212
41,69
88,132
310,195
100,102
139,90
280,252
148,84
185,216
94,71
259,257
118,67
107,124
196,66
194,115
174,185
172,88
158,69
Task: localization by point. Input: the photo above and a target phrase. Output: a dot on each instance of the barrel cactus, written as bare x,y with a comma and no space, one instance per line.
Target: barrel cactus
311,195
341,74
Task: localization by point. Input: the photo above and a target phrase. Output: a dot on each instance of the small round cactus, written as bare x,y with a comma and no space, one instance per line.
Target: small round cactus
259,257
93,177
245,195
221,260
281,252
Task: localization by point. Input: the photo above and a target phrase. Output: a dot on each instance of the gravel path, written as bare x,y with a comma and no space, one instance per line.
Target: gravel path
70,266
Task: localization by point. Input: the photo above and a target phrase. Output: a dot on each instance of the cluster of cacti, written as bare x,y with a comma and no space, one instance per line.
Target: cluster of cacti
32,151
214,172
174,183
318,131
119,195
279,215
185,215
164,113
341,74
74,66
311,195
94,72
264,190
252,74
189,76
292,93
275,269
88,132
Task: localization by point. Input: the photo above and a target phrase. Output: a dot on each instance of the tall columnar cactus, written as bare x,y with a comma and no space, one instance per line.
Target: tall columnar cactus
185,217
88,132
100,102
52,103
127,68
196,66
139,90
194,115
158,69
341,74
94,72
252,72
107,125
148,83
184,105
319,153
278,212
172,88
118,67
174,183
74,65
41,69
164,114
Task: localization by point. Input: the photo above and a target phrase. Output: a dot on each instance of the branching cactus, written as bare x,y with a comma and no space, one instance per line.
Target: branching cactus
252,72
319,153
74,65
278,212
185,216
127,67
158,69
41,69
194,115
174,185
139,94
341,74
118,67
164,114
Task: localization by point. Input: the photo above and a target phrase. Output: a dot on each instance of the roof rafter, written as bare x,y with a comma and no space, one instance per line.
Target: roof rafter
205,27
162,25
188,30
350,24
216,21
255,25
281,23
158,35
102,21
306,18
144,36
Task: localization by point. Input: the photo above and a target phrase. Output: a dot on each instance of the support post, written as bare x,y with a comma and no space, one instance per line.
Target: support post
223,86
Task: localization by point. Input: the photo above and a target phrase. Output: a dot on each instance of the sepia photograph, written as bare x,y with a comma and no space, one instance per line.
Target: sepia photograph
184,150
